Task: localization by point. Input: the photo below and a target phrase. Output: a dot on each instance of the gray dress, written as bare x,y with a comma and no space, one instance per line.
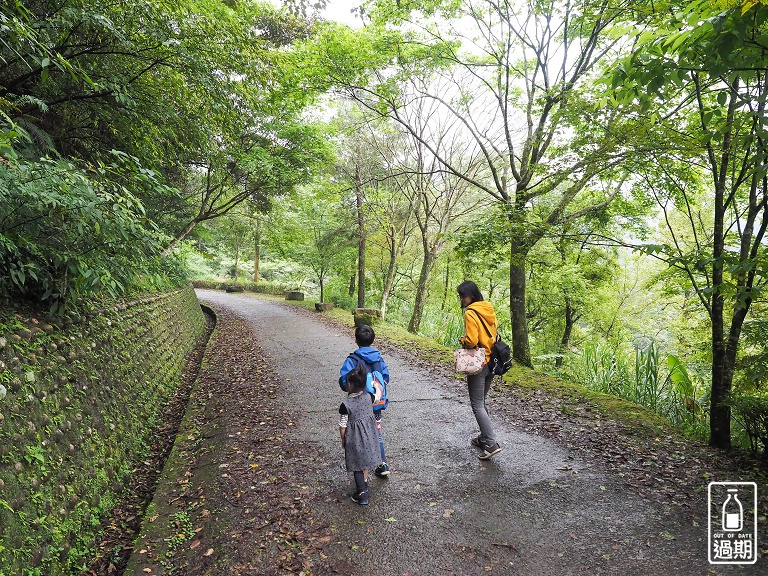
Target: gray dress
362,440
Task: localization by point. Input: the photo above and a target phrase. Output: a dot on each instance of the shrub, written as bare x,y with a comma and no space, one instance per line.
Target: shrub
260,287
751,412
67,233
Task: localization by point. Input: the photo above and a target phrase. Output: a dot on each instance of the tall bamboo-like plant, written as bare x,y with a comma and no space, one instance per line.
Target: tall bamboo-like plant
648,389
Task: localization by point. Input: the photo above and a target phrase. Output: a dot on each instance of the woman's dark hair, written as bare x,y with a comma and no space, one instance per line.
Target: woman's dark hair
356,379
469,288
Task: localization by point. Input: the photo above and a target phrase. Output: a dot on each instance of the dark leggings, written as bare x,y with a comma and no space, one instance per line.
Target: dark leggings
360,484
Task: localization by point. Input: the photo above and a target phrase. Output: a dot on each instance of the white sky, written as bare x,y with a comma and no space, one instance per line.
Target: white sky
339,10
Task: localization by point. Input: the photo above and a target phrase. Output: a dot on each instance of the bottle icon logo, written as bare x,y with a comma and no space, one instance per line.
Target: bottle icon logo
732,522
733,512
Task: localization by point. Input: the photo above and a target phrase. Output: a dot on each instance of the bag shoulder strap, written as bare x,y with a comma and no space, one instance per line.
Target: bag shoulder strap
487,330
368,365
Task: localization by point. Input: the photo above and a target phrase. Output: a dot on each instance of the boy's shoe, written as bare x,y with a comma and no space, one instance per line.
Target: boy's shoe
360,498
382,470
476,442
489,453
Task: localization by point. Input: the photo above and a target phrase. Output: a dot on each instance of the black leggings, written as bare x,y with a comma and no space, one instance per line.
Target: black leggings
360,482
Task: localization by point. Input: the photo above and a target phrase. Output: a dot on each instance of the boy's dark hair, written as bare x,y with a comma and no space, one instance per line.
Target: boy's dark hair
364,335
469,288
356,379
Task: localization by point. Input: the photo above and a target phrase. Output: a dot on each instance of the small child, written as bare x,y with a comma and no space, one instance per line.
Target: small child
357,428
369,357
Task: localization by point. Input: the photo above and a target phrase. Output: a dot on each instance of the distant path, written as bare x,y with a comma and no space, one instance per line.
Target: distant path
536,509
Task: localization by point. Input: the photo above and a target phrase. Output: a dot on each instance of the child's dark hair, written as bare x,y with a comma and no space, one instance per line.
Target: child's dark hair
364,335
469,288
356,379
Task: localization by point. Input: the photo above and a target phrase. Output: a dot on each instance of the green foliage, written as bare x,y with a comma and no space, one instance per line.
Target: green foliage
600,368
67,233
609,370
107,71
753,364
751,411
315,231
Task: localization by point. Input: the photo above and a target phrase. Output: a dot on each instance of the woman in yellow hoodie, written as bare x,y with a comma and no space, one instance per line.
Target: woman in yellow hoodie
479,314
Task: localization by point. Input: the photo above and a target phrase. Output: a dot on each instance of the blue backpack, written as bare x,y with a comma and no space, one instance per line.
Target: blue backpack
374,383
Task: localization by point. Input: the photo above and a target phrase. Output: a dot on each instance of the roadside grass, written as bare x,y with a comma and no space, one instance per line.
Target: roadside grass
574,397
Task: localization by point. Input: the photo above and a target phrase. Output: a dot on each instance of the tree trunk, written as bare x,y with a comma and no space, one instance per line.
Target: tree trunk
179,237
352,284
521,351
237,261
445,284
361,243
421,290
389,281
256,249
566,341
719,413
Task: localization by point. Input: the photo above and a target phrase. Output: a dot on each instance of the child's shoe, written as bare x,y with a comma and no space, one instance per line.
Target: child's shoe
360,498
382,470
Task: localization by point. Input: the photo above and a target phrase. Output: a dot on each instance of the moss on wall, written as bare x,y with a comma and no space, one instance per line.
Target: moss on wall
78,400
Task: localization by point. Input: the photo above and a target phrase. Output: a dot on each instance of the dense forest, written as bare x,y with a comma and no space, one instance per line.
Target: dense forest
598,167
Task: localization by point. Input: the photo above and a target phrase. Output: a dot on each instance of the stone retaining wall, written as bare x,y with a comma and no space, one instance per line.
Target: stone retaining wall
78,400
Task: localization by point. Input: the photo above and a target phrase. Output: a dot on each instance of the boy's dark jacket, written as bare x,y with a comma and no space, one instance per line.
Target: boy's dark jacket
371,356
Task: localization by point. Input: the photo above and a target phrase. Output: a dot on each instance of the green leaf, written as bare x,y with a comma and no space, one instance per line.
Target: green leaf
722,98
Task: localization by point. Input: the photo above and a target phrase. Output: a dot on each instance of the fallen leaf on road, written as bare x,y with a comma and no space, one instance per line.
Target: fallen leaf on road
208,552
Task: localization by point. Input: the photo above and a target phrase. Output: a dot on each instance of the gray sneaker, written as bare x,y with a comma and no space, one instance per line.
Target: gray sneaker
489,453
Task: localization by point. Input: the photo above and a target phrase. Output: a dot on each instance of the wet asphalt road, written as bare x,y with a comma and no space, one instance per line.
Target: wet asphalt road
535,509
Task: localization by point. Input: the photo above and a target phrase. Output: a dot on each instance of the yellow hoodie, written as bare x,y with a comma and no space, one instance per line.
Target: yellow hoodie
474,332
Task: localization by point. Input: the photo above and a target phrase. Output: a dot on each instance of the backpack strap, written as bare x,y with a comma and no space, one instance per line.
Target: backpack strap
368,365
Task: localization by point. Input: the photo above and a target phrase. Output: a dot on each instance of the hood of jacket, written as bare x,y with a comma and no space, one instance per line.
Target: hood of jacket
486,312
369,354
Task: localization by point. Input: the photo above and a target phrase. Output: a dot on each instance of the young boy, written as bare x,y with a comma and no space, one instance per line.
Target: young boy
371,358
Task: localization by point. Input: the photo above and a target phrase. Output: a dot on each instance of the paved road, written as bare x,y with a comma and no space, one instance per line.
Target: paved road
536,509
